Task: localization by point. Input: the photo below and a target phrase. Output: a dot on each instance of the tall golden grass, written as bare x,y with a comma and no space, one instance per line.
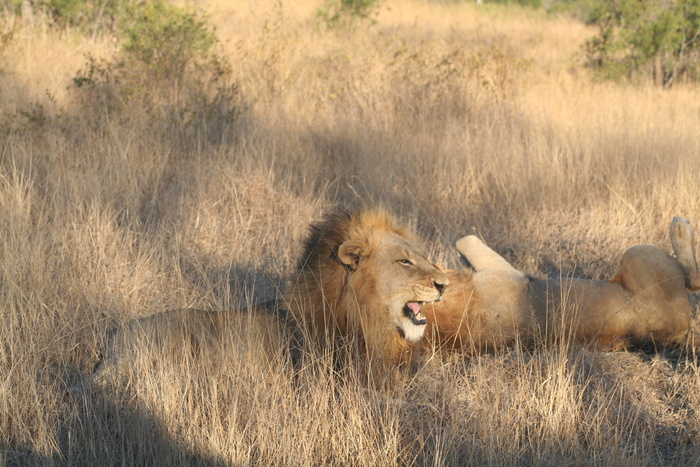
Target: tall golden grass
458,118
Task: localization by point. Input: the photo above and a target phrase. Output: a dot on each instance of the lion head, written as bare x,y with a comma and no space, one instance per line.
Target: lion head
363,277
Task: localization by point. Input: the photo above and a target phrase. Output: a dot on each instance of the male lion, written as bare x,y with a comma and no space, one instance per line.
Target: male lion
646,304
363,280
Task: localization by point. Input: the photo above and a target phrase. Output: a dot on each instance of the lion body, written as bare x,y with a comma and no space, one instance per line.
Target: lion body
187,335
646,304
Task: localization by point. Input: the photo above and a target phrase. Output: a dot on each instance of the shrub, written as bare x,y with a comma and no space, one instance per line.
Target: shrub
659,38
167,69
10,6
525,3
346,12
87,15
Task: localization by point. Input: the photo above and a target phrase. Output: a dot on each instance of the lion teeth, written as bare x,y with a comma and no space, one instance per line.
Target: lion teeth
413,312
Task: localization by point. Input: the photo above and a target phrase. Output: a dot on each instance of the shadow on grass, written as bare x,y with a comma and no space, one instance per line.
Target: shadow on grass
95,430
103,432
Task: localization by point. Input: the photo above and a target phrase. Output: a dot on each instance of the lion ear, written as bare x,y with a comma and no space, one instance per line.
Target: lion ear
351,252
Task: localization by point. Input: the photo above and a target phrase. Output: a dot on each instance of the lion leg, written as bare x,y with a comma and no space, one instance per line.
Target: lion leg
481,257
683,246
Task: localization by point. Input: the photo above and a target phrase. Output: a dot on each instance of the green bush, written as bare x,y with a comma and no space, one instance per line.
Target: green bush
88,15
526,3
659,39
168,40
10,6
167,69
347,12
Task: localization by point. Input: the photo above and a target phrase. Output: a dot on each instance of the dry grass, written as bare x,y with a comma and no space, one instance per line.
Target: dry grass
458,119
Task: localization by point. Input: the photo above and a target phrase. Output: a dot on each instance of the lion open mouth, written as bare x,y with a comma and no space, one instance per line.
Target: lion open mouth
412,311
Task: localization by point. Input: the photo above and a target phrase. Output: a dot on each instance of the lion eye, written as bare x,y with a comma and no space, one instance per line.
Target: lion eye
406,262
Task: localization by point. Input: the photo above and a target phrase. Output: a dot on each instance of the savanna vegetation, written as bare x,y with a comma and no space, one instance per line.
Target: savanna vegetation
158,155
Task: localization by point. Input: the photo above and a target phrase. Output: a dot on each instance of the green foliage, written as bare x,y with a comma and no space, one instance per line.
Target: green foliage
581,9
92,15
527,3
10,6
345,13
167,40
72,10
168,68
659,38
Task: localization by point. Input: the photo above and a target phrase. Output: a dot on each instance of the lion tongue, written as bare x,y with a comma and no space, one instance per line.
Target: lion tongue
414,314
414,307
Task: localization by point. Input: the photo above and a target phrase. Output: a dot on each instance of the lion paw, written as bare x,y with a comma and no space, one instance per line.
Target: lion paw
683,247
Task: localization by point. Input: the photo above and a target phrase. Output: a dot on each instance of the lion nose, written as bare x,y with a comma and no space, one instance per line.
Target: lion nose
440,287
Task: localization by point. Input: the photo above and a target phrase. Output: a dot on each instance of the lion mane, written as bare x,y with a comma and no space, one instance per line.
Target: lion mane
360,283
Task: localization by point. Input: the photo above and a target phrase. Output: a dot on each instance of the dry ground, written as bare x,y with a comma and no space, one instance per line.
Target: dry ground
456,118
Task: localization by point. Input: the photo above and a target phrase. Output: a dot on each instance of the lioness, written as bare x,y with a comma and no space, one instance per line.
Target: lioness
646,304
